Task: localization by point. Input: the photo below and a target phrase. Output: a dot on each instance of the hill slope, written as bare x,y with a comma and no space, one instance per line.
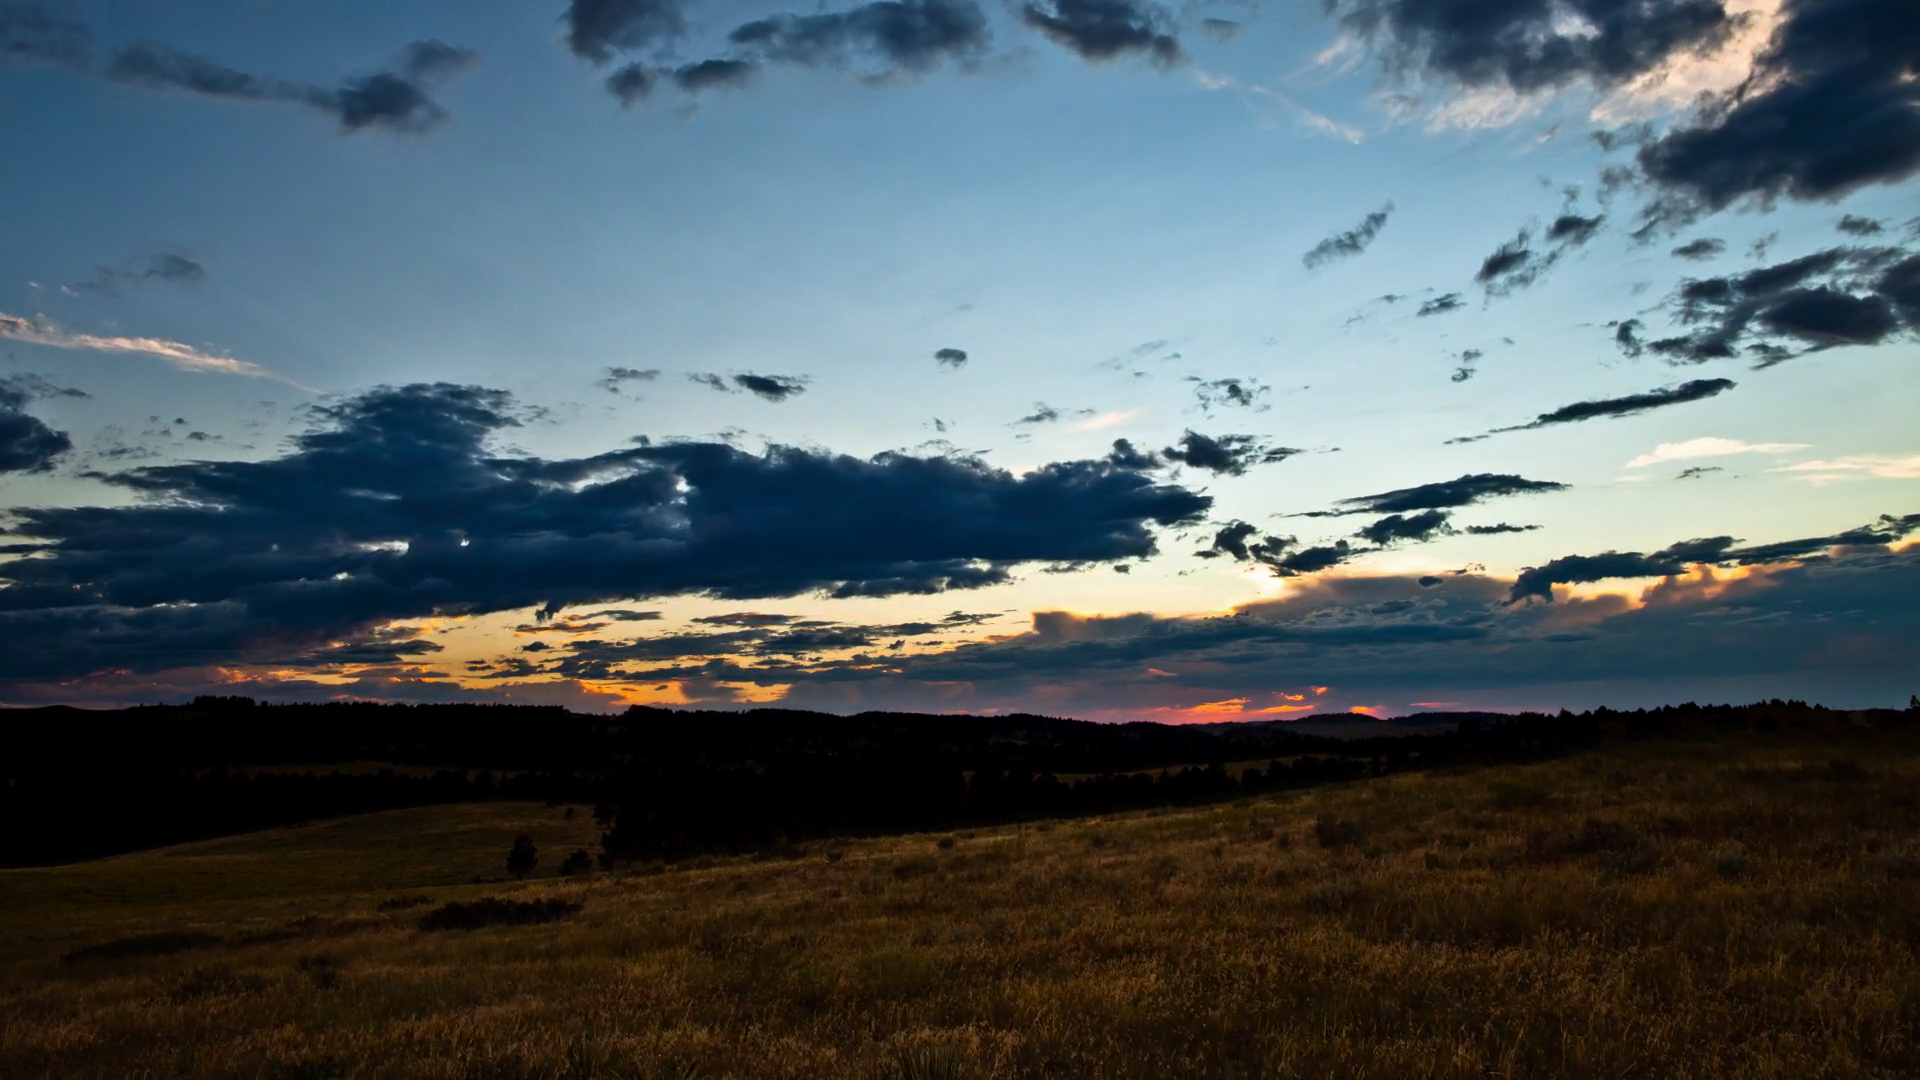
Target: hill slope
1742,905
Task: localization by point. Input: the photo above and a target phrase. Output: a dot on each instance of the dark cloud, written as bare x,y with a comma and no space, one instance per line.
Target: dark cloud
1229,393
1345,245
1467,359
1627,336
632,83
1125,456
396,100
1831,107
1440,305
396,508
1220,29
167,266
1231,455
1855,225
1839,296
950,357
622,615
1509,265
27,444
1042,413
903,35
1696,390
1466,490
1697,471
1537,582
1105,29
617,377
1416,527
30,34
719,74
1496,530
752,619
597,29
1532,45
1573,229
770,387
1706,247
1280,554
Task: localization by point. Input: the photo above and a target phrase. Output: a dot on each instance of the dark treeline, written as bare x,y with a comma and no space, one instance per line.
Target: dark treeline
670,783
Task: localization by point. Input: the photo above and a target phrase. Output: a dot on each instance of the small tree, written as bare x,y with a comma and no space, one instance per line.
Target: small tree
522,857
577,863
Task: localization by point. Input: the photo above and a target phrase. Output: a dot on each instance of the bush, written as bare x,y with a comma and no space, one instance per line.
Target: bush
1335,832
522,857
577,863
493,911
165,944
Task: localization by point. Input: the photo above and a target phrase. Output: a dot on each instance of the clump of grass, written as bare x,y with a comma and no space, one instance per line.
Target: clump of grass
494,911
1334,831
165,943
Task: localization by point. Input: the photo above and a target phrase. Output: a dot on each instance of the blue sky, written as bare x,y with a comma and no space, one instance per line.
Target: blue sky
394,286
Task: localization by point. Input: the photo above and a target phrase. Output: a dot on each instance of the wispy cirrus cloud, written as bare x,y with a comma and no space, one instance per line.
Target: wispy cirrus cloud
38,331
1709,446
1856,466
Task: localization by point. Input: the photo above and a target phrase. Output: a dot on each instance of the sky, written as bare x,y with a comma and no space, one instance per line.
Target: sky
1098,358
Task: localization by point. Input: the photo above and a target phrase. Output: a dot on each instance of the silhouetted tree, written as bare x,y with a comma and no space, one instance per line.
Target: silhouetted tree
522,857
577,863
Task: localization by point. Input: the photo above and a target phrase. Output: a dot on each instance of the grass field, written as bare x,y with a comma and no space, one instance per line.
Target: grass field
1736,906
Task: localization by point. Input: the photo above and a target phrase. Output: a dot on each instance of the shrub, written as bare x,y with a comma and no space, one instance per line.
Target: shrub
577,863
165,944
522,857
1331,831
493,911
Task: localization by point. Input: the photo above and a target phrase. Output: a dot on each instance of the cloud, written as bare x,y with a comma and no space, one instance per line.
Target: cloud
396,507
29,34
1042,413
617,377
719,74
1855,225
1229,393
1537,582
1628,405
1708,446
1830,107
903,35
1881,465
1626,335
1706,247
597,29
185,357
1575,230
770,387
1697,471
1417,527
1467,490
1345,245
1500,529
167,266
395,100
27,444
1533,46
1230,455
1440,305
953,358
1839,296
1106,29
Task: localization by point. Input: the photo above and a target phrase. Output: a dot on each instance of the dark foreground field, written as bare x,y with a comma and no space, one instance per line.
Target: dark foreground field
1737,905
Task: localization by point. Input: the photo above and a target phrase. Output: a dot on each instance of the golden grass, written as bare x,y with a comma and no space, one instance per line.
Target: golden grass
1729,908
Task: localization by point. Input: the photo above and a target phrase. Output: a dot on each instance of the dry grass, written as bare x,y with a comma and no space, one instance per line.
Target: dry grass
1739,908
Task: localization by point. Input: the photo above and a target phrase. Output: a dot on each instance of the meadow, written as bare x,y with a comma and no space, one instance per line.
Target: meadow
1720,905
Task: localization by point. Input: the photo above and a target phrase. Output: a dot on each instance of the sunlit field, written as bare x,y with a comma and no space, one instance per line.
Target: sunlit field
1736,906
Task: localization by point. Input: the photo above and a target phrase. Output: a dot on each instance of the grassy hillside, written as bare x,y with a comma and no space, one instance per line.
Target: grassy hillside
1731,906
